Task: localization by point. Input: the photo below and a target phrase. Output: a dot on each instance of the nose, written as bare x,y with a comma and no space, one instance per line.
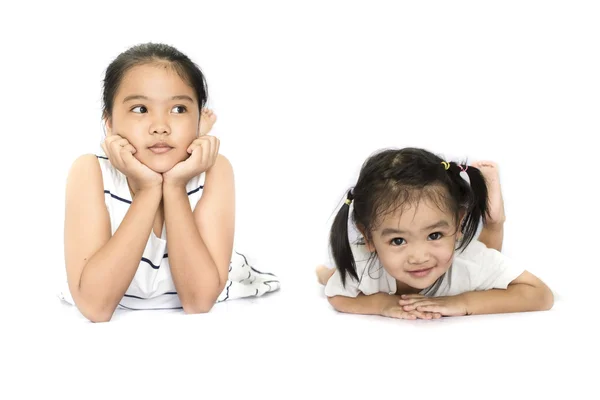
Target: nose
417,254
160,126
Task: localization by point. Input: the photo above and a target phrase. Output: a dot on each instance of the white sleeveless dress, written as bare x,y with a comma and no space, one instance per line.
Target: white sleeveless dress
152,286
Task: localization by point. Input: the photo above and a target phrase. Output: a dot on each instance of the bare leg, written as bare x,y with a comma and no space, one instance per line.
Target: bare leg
492,234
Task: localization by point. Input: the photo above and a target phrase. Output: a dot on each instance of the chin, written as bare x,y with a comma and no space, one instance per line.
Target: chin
161,166
423,283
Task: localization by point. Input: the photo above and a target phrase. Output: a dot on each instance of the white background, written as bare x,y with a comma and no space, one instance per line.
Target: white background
304,91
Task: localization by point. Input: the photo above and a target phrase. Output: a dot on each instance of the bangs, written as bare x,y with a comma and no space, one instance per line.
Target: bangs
395,198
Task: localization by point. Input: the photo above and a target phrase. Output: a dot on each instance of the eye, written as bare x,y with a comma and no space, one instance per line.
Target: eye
397,242
179,109
140,109
435,236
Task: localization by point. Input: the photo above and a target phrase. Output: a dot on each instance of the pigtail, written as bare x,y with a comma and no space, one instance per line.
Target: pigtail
474,199
340,244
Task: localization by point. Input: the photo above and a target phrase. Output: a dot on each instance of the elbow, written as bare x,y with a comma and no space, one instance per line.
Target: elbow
203,300
200,305
540,299
546,299
97,314
94,312
335,302
99,318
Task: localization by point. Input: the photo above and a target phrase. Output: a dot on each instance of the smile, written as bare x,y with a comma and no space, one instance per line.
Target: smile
420,273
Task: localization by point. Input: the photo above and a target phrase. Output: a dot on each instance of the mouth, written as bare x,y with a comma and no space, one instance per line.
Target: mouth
160,148
420,273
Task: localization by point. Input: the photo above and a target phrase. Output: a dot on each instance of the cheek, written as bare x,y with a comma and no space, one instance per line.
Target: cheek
392,260
127,127
444,254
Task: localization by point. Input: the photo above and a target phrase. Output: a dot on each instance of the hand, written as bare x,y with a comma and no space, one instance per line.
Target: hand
393,309
120,154
204,152
446,306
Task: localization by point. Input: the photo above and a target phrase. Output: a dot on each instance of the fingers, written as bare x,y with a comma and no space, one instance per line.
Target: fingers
412,296
412,315
129,148
206,149
126,153
400,314
433,308
119,151
115,149
421,315
408,299
416,305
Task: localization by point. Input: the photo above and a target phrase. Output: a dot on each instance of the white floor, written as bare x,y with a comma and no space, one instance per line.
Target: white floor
292,343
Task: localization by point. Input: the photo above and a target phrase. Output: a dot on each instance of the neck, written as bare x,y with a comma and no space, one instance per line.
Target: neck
403,288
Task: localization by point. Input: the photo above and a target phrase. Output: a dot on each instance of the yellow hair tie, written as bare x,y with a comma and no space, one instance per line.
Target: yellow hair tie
446,165
348,201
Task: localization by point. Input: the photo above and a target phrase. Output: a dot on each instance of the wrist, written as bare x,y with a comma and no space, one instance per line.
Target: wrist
383,301
137,186
173,183
148,191
173,187
465,300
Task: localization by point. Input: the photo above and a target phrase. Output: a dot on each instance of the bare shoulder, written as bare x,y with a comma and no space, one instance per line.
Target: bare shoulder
84,184
85,169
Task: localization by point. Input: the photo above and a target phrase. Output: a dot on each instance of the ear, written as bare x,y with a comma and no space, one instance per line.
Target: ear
461,219
368,243
107,125
370,246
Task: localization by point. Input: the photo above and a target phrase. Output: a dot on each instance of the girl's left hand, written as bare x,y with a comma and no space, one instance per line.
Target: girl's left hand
447,306
204,152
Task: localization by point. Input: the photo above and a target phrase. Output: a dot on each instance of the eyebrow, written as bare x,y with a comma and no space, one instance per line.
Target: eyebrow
394,231
140,97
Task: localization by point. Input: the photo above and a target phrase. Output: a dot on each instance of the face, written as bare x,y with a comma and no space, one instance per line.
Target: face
157,112
416,245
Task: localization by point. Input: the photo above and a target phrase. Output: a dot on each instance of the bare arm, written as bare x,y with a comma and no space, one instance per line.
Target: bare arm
383,304
492,235
201,243
369,305
100,267
526,293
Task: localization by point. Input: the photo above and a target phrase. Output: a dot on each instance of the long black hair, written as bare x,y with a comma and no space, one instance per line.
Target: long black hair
392,179
149,53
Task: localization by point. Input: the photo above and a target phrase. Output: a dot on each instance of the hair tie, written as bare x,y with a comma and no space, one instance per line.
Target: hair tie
349,197
446,165
463,169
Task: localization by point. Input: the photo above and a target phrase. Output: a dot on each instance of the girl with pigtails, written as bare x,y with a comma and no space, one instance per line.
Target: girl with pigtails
418,255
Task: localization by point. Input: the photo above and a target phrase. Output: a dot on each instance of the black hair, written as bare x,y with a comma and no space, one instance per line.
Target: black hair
391,179
152,53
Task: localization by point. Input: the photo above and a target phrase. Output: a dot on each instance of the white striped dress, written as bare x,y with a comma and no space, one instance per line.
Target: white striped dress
152,286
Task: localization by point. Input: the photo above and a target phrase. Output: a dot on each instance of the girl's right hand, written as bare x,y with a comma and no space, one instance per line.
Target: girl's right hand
392,309
120,154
